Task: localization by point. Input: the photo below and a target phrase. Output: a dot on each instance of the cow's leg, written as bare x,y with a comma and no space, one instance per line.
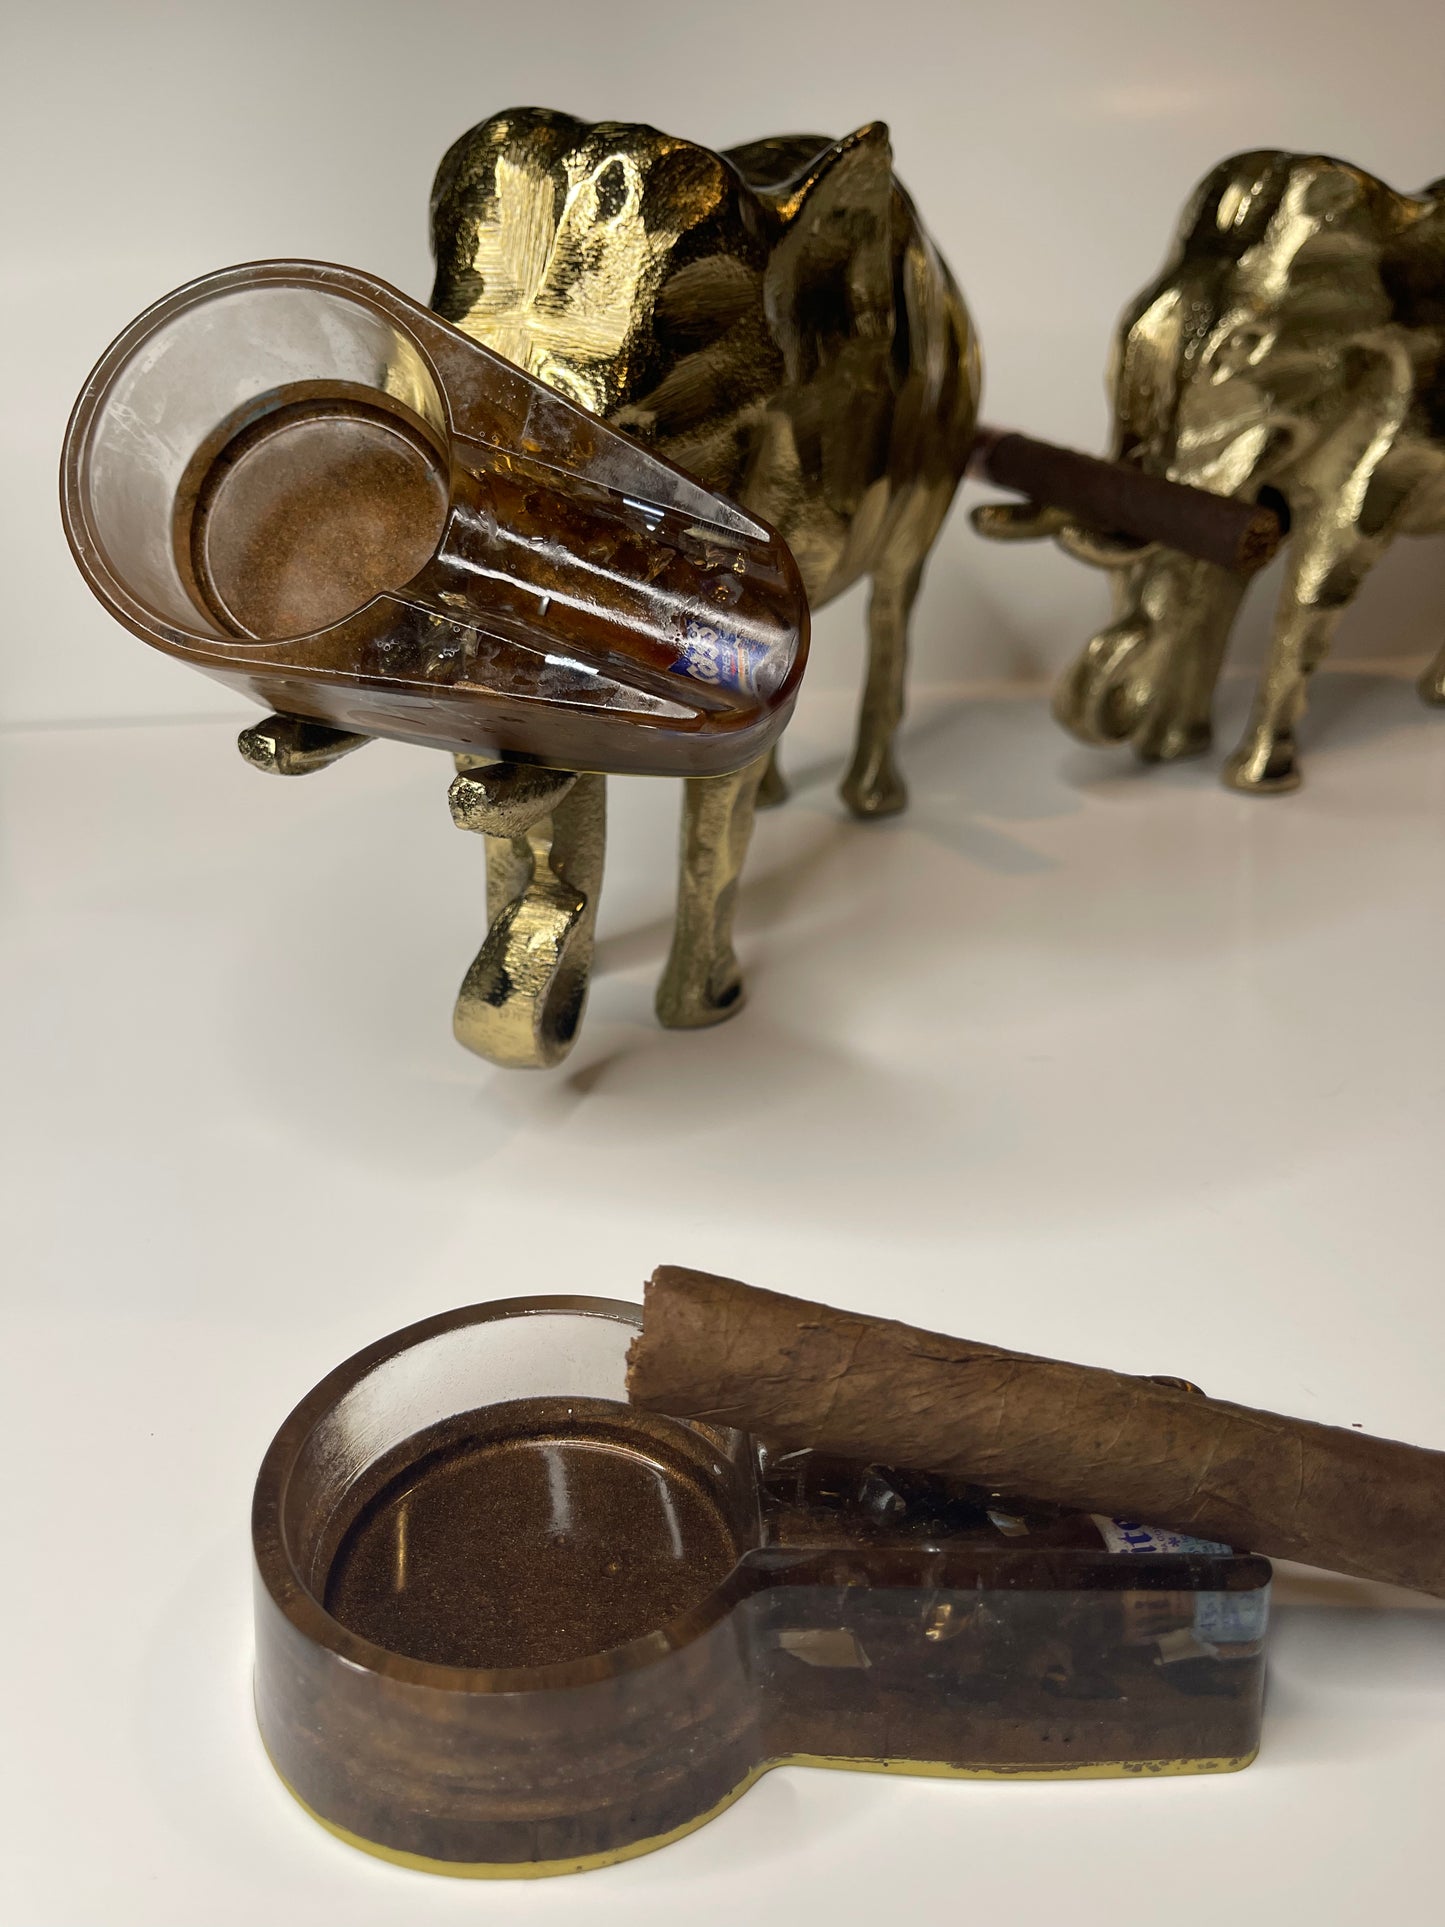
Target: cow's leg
1350,503
702,983
521,1002
773,789
1177,704
509,856
1328,561
295,746
873,786
1149,677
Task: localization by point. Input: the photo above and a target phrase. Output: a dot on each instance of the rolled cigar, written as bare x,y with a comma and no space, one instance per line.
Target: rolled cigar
801,1375
1118,498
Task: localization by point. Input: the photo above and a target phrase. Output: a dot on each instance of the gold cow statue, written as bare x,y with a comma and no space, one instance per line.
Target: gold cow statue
772,319
1292,353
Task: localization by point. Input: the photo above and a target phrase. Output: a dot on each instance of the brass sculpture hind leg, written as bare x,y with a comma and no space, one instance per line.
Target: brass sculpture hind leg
873,786
773,789
1432,683
1328,561
702,983
521,1002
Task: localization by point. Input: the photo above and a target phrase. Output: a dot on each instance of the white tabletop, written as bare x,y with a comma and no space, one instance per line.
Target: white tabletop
1106,1064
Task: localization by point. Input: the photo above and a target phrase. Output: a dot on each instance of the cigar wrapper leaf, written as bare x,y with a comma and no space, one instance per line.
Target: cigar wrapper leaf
804,1376
1118,498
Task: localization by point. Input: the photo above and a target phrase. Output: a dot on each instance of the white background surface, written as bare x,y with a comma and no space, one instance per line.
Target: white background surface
1109,1065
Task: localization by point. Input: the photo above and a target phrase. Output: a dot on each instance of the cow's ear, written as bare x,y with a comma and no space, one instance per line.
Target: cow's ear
831,272
465,200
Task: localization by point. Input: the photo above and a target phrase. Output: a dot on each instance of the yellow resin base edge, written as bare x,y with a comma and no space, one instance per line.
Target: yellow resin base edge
612,1856
1101,1770
522,1869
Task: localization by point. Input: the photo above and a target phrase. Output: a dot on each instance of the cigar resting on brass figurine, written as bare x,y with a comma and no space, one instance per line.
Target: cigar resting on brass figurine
800,1375
1121,499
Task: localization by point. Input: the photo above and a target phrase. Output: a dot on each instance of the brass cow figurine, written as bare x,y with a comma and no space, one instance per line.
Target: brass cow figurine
775,320
1292,352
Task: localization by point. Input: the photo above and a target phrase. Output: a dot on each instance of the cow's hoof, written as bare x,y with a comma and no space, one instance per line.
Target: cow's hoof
875,789
682,1004
1172,741
1264,766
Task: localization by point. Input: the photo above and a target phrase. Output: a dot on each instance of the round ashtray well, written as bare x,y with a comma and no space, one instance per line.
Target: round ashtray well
465,1541
539,1530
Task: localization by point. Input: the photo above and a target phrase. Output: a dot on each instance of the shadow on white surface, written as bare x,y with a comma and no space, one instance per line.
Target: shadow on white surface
1356,1671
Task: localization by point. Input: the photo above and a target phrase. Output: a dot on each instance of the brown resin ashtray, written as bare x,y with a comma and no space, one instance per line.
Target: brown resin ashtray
507,1624
314,490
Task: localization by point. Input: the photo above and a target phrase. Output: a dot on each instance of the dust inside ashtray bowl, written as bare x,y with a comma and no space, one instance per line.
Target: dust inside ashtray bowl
530,1532
294,517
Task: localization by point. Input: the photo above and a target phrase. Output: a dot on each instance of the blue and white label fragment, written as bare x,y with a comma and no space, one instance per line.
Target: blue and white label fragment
1231,1618
1126,1535
713,655
1226,1625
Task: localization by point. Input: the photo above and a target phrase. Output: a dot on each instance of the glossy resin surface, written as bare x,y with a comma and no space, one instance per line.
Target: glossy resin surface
314,489
508,1624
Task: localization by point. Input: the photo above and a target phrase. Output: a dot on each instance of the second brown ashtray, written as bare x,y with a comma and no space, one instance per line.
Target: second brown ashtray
507,1624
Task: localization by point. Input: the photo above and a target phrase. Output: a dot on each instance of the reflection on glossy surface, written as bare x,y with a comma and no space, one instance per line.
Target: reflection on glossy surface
544,1533
294,478
409,1532
305,515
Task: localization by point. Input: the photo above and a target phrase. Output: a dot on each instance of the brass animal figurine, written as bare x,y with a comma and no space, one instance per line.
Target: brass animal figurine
1291,352
775,320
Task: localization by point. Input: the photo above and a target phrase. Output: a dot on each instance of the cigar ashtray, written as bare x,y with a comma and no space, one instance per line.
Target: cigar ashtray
306,485
506,1624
